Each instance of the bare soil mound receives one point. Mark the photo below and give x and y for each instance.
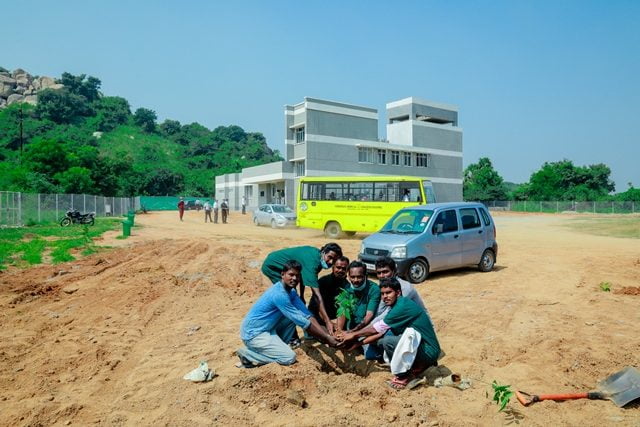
(107, 339)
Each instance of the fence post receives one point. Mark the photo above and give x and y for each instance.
(612, 210)
(594, 207)
(19, 208)
(557, 206)
(509, 205)
(95, 204)
(525, 206)
(84, 203)
(72, 202)
(39, 207)
(540, 209)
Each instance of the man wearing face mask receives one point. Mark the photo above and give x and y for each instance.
(367, 296)
(313, 260)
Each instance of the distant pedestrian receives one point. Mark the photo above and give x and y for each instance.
(224, 206)
(244, 205)
(207, 211)
(198, 204)
(215, 211)
(181, 207)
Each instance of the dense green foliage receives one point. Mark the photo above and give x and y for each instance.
(76, 140)
(482, 183)
(554, 181)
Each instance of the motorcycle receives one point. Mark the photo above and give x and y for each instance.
(74, 216)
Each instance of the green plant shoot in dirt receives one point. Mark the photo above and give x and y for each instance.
(501, 394)
(346, 304)
(605, 286)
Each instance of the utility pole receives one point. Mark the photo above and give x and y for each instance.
(21, 140)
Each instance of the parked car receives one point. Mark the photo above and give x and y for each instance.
(434, 237)
(274, 215)
(190, 205)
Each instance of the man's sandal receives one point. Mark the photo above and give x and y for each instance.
(397, 383)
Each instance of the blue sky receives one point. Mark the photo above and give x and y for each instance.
(534, 81)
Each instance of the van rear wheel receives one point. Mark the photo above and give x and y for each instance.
(418, 271)
(333, 230)
(487, 261)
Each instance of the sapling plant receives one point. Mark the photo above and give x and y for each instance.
(501, 395)
(605, 286)
(346, 304)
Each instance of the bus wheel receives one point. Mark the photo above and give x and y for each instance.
(350, 233)
(418, 271)
(333, 230)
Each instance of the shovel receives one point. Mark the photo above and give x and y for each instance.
(621, 388)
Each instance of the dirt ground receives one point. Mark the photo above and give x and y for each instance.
(106, 340)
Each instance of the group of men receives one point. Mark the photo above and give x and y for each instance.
(208, 208)
(380, 320)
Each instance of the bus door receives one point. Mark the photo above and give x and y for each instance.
(312, 196)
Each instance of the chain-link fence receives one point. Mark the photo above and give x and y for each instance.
(566, 206)
(18, 209)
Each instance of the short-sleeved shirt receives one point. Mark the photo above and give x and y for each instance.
(407, 314)
(408, 291)
(307, 256)
(368, 299)
(330, 287)
(277, 302)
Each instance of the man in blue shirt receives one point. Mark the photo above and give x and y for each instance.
(271, 322)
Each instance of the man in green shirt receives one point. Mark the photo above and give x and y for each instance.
(404, 314)
(367, 296)
(313, 260)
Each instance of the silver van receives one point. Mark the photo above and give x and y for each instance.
(434, 237)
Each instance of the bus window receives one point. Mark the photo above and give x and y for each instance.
(313, 191)
(361, 191)
(410, 192)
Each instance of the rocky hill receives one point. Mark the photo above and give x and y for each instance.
(20, 86)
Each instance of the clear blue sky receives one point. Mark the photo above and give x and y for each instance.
(535, 81)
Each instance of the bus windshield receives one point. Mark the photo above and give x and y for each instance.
(408, 221)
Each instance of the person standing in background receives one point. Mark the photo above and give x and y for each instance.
(224, 206)
(244, 205)
(181, 207)
(215, 211)
(207, 211)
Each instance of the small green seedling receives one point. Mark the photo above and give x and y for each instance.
(501, 394)
(346, 304)
(605, 286)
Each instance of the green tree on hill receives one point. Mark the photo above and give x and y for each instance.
(146, 119)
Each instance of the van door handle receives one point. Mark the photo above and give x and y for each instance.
(480, 232)
(455, 236)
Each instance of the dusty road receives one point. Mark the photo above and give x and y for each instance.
(107, 339)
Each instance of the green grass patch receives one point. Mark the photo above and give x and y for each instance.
(627, 227)
(24, 246)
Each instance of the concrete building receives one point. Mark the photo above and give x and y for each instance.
(327, 138)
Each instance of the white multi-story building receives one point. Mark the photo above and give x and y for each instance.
(327, 138)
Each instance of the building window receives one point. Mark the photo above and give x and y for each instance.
(299, 170)
(299, 135)
(423, 160)
(395, 158)
(407, 159)
(365, 155)
(382, 157)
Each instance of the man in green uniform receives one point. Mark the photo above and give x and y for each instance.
(313, 260)
(330, 286)
(367, 296)
(404, 314)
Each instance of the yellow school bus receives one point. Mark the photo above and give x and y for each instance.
(344, 205)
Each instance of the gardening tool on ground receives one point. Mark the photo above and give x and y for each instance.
(621, 388)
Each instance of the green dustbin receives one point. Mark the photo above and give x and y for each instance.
(126, 228)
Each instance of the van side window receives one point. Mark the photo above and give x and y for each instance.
(448, 220)
(485, 217)
(470, 218)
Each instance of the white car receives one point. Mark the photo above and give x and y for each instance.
(274, 215)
